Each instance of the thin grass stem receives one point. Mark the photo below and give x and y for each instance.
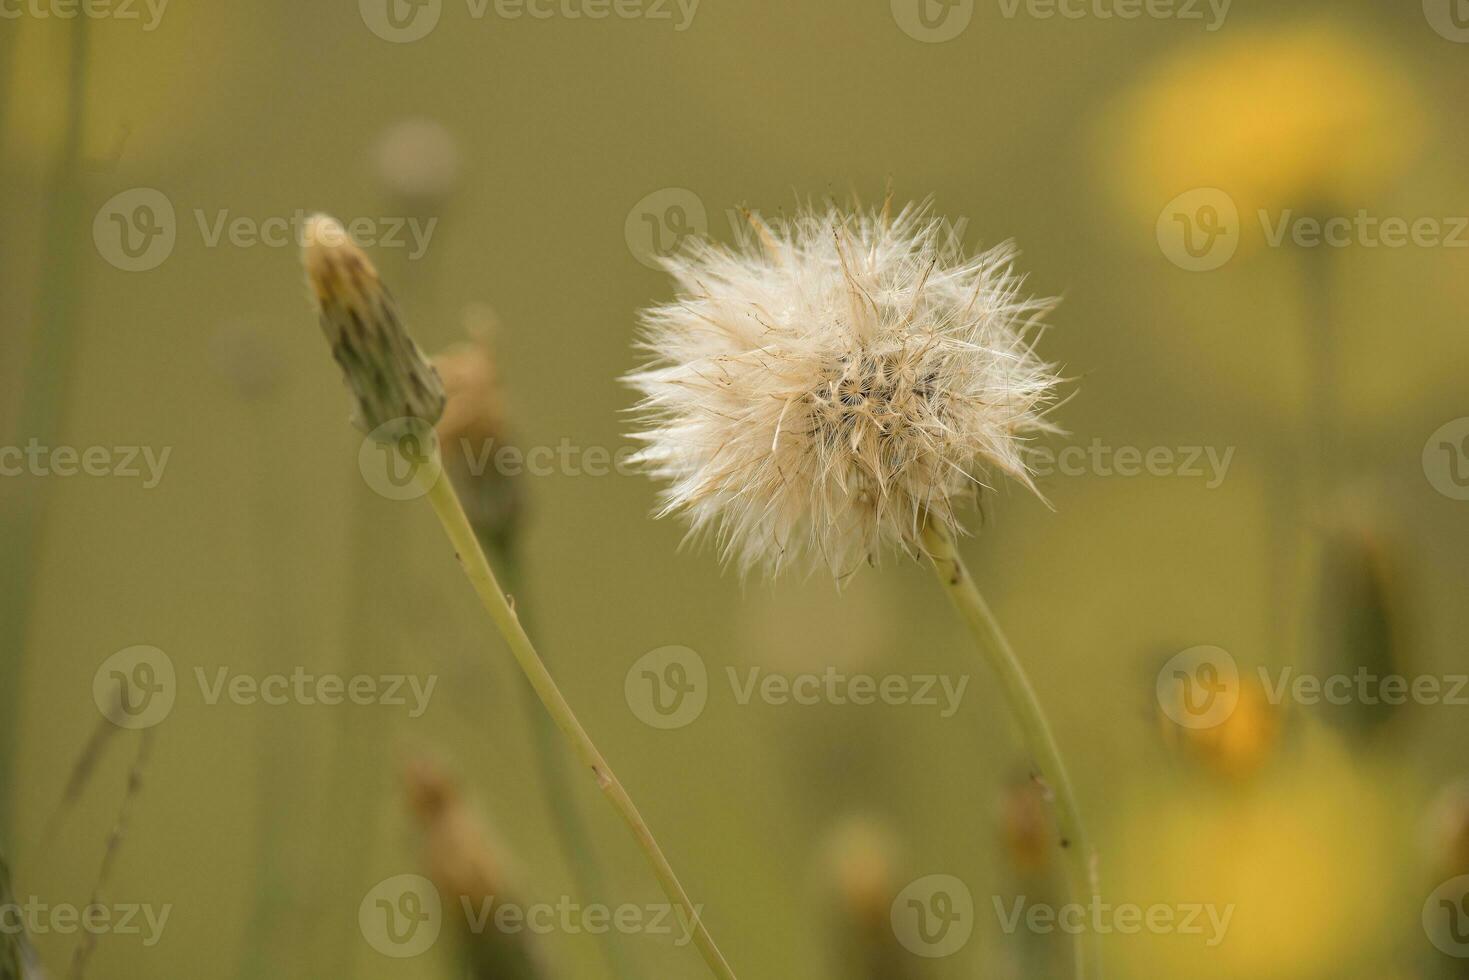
(1080, 859)
(476, 567)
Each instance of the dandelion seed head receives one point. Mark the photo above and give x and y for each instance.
(817, 393)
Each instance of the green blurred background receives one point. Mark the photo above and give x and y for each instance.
(262, 548)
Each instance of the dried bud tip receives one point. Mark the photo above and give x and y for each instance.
(395, 387)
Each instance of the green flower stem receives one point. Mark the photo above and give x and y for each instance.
(1080, 860)
(472, 559)
(555, 773)
(24, 513)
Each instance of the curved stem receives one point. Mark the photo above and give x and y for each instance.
(555, 781)
(1080, 860)
(472, 559)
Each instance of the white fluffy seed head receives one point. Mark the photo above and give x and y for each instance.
(819, 392)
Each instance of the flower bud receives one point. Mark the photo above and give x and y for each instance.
(396, 389)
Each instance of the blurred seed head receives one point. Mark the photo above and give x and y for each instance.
(475, 407)
(860, 858)
(467, 868)
(475, 426)
(417, 161)
(837, 380)
(388, 375)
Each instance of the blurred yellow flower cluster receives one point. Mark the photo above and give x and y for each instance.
(1302, 868)
(1307, 116)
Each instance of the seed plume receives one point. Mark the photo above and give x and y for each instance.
(824, 388)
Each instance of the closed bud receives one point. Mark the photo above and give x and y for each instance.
(396, 389)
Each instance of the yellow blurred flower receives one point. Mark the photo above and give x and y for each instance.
(1307, 116)
(1305, 870)
(1242, 743)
